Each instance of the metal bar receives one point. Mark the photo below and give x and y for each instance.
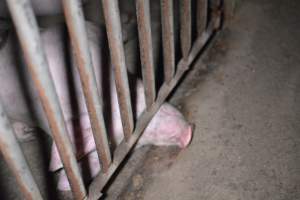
(78, 34)
(115, 41)
(185, 27)
(124, 148)
(216, 13)
(168, 40)
(27, 30)
(146, 49)
(15, 159)
(201, 21)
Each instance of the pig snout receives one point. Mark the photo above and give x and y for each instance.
(167, 128)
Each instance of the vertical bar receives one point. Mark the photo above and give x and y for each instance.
(201, 21)
(78, 34)
(27, 30)
(167, 15)
(15, 159)
(115, 41)
(215, 13)
(146, 49)
(185, 27)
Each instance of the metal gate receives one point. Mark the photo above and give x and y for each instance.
(208, 20)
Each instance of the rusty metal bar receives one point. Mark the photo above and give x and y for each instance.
(15, 159)
(201, 21)
(145, 41)
(167, 15)
(27, 30)
(76, 26)
(115, 41)
(185, 27)
(124, 148)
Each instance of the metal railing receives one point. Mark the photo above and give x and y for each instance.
(28, 33)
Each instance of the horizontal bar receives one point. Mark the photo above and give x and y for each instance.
(27, 30)
(123, 149)
(201, 21)
(115, 41)
(15, 159)
(185, 27)
(168, 41)
(146, 49)
(78, 34)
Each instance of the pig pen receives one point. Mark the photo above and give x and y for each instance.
(179, 29)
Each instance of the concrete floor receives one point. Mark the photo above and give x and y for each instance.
(246, 109)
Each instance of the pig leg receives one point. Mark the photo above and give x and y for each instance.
(81, 137)
(90, 161)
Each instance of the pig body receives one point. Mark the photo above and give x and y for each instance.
(19, 95)
(168, 127)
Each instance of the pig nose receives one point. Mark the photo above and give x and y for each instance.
(186, 137)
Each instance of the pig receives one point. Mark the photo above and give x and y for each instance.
(50, 12)
(18, 93)
(22, 104)
(168, 127)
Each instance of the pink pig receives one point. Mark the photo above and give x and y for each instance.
(168, 127)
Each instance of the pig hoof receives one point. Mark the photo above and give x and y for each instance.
(186, 140)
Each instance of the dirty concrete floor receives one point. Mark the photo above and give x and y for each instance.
(246, 109)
